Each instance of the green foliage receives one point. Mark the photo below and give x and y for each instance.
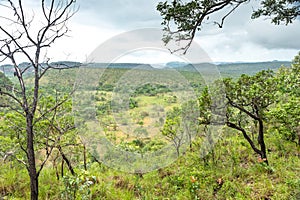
(281, 11)
(103, 108)
(286, 118)
(78, 186)
(5, 83)
(142, 145)
(171, 127)
(5, 86)
(151, 89)
(13, 181)
(248, 100)
(182, 19)
(194, 188)
(133, 103)
(205, 107)
(252, 91)
(188, 178)
(105, 87)
(285, 114)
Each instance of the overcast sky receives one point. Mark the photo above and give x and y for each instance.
(241, 39)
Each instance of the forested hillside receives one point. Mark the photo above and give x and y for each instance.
(254, 155)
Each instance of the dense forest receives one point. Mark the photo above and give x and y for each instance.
(252, 154)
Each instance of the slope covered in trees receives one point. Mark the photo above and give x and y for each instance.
(235, 167)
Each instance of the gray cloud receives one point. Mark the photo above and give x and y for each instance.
(239, 36)
(274, 37)
(240, 32)
(124, 14)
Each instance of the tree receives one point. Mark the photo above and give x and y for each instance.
(285, 115)
(190, 114)
(173, 129)
(248, 100)
(182, 19)
(27, 38)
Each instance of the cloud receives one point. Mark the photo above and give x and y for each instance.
(123, 14)
(245, 39)
(274, 37)
(241, 39)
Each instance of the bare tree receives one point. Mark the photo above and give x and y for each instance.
(27, 37)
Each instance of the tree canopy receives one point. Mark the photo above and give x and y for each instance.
(182, 19)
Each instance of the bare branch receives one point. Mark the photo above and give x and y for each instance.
(231, 11)
(58, 104)
(14, 40)
(59, 66)
(45, 160)
(187, 26)
(13, 97)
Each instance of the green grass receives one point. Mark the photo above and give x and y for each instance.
(232, 162)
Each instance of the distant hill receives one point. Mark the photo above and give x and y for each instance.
(9, 70)
(250, 68)
(237, 69)
(120, 65)
(226, 69)
(175, 64)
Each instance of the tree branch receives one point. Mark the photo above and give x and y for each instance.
(234, 126)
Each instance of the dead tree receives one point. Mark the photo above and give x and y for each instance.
(28, 36)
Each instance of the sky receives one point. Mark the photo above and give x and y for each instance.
(101, 22)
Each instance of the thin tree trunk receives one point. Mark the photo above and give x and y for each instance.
(261, 142)
(67, 161)
(84, 157)
(31, 159)
(62, 168)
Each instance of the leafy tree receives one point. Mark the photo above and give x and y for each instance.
(248, 100)
(285, 115)
(19, 41)
(205, 107)
(172, 129)
(190, 115)
(182, 19)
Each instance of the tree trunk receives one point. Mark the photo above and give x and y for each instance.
(261, 142)
(67, 161)
(298, 134)
(31, 159)
(84, 157)
(62, 167)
